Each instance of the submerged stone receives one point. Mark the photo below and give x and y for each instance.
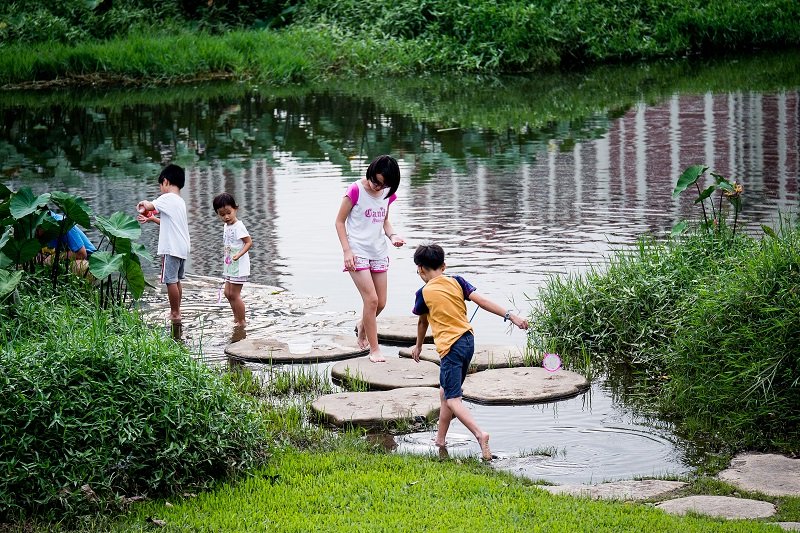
(400, 330)
(279, 352)
(771, 474)
(719, 506)
(394, 373)
(522, 385)
(486, 356)
(378, 407)
(643, 489)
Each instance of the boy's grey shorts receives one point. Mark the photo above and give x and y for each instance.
(171, 269)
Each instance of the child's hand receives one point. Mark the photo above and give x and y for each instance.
(415, 351)
(349, 260)
(397, 241)
(518, 321)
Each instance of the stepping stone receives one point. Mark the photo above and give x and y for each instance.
(522, 385)
(771, 474)
(644, 489)
(379, 407)
(400, 330)
(719, 506)
(395, 373)
(486, 356)
(787, 526)
(274, 351)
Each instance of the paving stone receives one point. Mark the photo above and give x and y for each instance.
(643, 489)
(378, 407)
(719, 506)
(772, 474)
(274, 351)
(788, 526)
(400, 330)
(393, 374)
(522, 385)
(486, 356)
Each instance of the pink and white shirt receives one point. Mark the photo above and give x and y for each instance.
(364, 224)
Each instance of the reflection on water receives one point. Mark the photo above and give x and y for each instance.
(550, 192)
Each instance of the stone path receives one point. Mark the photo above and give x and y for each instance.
(644, 489)
(512, 386)
(773, 475)
(393, 374)
(400, 330)
(367, 409)
(278, 352)
(486, 356)
(719, 506)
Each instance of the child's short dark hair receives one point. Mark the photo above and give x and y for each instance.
(386, 166)
(430, 256)
(174, 175)
(224, 199)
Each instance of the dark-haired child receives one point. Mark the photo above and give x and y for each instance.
(173, 233)
(363, 226)
(441, 303)
(236, 243)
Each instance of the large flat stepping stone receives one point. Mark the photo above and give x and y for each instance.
(274, 351)
(644, 489)
(522, 385)
(395, 373)
(379, 407)
(400, 330)
(719, 506)
(771, 474)
(486, 356)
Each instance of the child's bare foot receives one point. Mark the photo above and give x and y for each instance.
(486, 453)
(361, 337)
(377, 357)
(439, 444)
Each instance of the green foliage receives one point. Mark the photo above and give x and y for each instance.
(730, 191)
(96, 405)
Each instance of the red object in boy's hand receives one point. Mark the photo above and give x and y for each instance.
(145, 212)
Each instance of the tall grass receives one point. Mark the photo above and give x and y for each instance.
(97, 406)
(709, 323)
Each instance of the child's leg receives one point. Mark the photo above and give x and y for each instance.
(445, 417)
(461, 412)
(369, 326)
(174, 293)
(233, 292)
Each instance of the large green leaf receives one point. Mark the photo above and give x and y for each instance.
(140, 251)
(5, 261)
(103, 264)
(134, 277)
(5, 192)
(7, 235)
(688, 178)
(23, 202)
(22, 250)
(74, 207)
(9, 281)
(705, 194)
(119, 225)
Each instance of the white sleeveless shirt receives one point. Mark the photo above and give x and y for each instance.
(364, 224)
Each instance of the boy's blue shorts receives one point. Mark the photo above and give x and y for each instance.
(455, 365)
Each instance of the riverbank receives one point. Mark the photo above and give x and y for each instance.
(325, 40)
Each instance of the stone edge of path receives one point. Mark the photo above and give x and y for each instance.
(766, 473)
(509, 356)
(634, 490)
(405, 396)
(578, 386)
(400, 330)
(719, 506)
(278, 351)
(384, 376)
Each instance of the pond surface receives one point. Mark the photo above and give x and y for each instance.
(517, 179)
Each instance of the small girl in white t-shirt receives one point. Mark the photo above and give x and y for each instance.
(236, 265)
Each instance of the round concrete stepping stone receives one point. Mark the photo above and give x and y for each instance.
(644, 489)
(274, 351)
(787, 526)
(771, 474)
(719, 506)
(486, 356)
(522, 385)
(395, 373)
(400, 330)
(378, 407)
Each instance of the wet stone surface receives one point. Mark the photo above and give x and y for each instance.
(394, 373)
(644, 489)
(400, 330)
(719, 506)
(274, 351)
(486, 356)
(771, 474)
(376, 408)
(522, 385)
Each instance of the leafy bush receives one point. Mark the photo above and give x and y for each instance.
(97, 406)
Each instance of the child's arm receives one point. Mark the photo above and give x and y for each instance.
(146, 208)
(396, 240)
(341, 231)
(422, 329)
(497, 309)
(248, 242)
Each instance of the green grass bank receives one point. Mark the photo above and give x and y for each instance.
(150, 42)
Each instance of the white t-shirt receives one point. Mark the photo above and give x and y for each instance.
(173, 232)
(365, 222)
(232, 243)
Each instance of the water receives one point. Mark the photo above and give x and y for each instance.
(517, 181)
